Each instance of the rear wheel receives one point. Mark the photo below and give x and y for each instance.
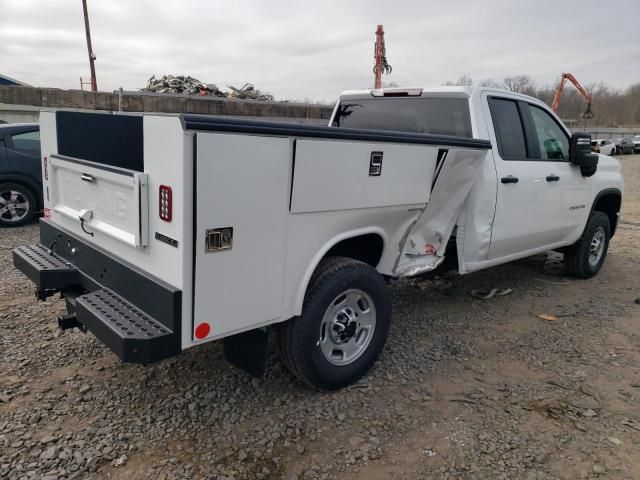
(17, 205)
(585, 258)
(343, 327)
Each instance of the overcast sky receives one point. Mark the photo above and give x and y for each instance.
(315, 49)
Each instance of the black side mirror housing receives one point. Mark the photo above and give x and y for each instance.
(580, 154)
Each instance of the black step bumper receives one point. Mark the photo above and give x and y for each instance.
(134, 314)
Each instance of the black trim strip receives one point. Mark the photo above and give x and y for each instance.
(194, 208)
(442, 156)
(293, 171)
(99, 166)
(222, 124)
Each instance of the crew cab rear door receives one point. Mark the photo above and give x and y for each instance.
(536, 183)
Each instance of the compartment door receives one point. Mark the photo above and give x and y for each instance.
(241, 202)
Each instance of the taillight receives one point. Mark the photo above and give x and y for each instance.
(164, 203)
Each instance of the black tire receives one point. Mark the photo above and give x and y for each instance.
(577, 258)
(15, 194)
(299, 338)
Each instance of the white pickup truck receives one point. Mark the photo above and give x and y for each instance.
(163, 232)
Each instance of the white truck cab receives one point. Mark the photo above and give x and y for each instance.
(528, 197)
(163, 232)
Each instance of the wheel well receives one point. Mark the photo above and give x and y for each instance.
(366, 248)
(609, 204)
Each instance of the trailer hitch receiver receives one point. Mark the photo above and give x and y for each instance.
(69, 320)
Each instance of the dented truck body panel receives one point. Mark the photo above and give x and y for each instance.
(224, 221)
(254, 208)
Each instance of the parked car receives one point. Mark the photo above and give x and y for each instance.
(624, 145)
(20, 173)
(605, 147)
(636, 144)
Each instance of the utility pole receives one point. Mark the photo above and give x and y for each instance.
(380, 56)
(92, 56)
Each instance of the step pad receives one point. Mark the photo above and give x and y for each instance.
(125, 318)
(48, 270)
(132, 334)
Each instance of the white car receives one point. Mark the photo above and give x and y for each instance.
(605, 147)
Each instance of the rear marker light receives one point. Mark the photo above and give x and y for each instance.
(165, 203)
(202, 331)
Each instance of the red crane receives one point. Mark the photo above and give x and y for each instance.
(556, 98)
(380, 56)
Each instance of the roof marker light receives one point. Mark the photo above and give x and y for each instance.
(397, 92)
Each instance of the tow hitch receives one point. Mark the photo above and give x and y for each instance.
(42, 294)
(69, 320)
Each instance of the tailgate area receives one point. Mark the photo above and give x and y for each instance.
(133, 313)
(113, 200)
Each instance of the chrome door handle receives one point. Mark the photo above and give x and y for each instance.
(88, 178)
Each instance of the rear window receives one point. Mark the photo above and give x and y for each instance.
(508, 127)
(444, 116)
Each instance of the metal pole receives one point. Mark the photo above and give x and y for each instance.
(377, 69)
(92, 56)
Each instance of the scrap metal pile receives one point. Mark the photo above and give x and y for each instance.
(192, 86)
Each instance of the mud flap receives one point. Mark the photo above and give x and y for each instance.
(426, 240)
(248, 351)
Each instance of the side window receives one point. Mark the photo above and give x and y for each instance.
(553, 141)
(26, 141)
(508, 126)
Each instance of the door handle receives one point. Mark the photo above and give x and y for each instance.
(88, 178)
(553, 178)
(510, 179)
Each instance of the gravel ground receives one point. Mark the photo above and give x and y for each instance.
(466, 388)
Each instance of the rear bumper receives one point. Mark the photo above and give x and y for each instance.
(134, 314)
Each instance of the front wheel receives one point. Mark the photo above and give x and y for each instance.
(585, 258)
(343, 327)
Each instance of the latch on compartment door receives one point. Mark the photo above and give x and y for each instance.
(218, 239)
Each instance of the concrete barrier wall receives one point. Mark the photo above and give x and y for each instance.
(23, 103)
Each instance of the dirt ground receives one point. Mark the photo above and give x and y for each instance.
(466, 388)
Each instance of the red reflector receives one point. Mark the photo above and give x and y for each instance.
(165, 203)
(202, 331)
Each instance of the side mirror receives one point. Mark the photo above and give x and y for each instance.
(580, 154)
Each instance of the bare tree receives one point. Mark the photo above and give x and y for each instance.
(611, 107)
(490, 82)
(464, 81)
(519, 84)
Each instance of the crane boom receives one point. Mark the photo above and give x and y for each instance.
(380, 56)
(556, 98)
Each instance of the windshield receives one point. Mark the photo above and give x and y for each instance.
(444, 116)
